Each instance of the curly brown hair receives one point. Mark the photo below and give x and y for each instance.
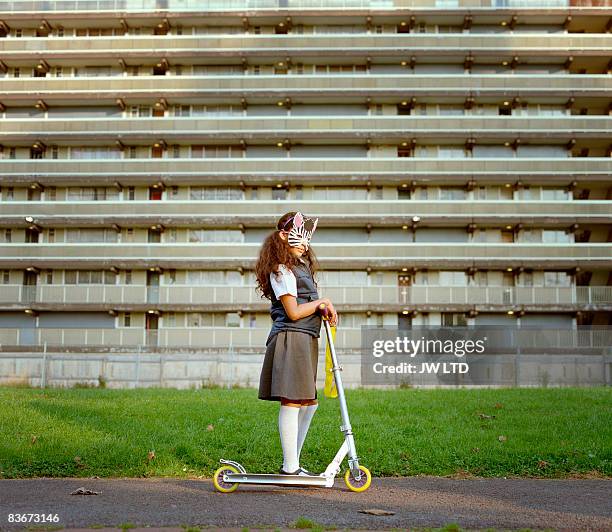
(275, 251)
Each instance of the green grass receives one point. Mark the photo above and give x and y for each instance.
(110, 433)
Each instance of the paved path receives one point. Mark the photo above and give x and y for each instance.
(415, 501)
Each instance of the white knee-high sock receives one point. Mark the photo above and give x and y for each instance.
(305, 417)
(288, 429)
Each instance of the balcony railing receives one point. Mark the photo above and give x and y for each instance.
(228, 296)
(105, 90)
(222, 339)
(267, 128)
(188, 48)
(432, 255)
(264, 213)
(228, 5)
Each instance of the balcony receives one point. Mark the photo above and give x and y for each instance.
(191, 49)
(188, 6)
(438, 255)
(346, 213)
(318, 128)
(223, 340)
(106, 90)
(316, 171)
(224, 298)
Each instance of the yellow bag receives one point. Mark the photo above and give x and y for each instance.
(330, 384)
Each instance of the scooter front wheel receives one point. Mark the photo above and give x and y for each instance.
(220, 484)
(358, 485)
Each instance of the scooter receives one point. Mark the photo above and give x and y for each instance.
(357, 478)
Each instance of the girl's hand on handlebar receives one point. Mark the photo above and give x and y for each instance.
(333, 319)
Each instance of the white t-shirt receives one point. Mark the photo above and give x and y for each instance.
(283, 282)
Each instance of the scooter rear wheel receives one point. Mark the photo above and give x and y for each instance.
(358, 485)
(218, 482)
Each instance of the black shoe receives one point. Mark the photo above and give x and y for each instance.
(299, 471)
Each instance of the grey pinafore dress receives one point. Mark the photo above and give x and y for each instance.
(292, 349)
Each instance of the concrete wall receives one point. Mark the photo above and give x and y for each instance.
(188, 370)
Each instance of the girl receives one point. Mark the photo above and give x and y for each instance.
(285, 275)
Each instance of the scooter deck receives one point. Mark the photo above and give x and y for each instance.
(259, 478)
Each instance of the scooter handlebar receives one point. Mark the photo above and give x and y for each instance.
(324, 311)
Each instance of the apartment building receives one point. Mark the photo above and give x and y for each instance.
(457, 153)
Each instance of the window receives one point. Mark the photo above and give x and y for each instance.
(214, 277)
(555, 194)
(8, 236)
(338, 29)
(452, 319)
(493, 193)
(340, 193)
(92, 194)
(342, 278)
(555, 237)
(181, 110)
(452, 193)
(557, 279)
(169, 319)
(49, 276)
(376, 278)
(199, 319)
(92, 71)
(232, 319)
(525, 279)
(90, 235)
(451, 152)
(215, 193)
(279, 193)
(215, 235)
(89, 277)
(340, 69)
(95, 152)
(216, 110)
(452, 278)
(5, 277)
(127, 319)
(141, 111)
(51, 236)
(529, 193)
(128, 276)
